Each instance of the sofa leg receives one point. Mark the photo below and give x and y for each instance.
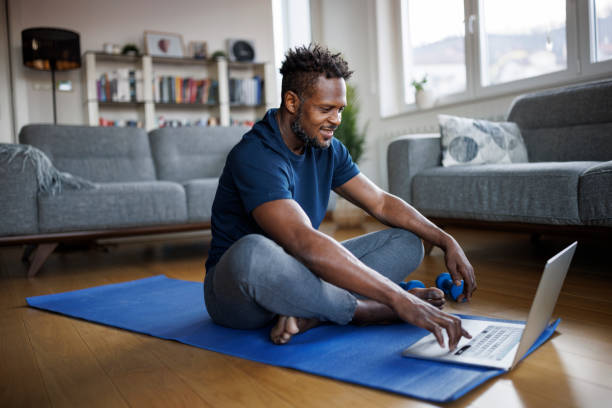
(41, 254)
(27, 253)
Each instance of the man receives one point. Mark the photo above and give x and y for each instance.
(267, 259)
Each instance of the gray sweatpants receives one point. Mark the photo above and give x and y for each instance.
(255, 279)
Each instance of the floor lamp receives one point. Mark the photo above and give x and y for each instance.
(51, 49)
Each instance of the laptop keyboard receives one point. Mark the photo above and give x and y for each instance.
(494, 342)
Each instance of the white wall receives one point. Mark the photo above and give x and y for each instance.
(121, 22)
(345, 26)
(6, 119)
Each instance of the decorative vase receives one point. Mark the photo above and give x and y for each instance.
(347, 215)
(425, 98)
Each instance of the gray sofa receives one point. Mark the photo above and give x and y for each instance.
(566, 187)
(94, 182)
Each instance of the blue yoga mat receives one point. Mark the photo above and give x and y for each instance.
(370, 356)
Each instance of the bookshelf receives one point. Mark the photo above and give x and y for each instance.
(228, 92)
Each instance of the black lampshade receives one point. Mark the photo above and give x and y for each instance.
(49, 49)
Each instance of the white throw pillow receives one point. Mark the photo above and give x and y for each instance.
(475, 141)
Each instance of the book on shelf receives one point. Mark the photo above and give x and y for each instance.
(172, 87)
(119, 122)
(138, 86)
(122, 93)
(132, 84)
(100, 87)
(237, 122)
(247, 91)
(180, 90)
(213, 92)
(204, 120)
(120, 85)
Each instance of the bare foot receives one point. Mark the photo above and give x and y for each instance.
(433, 296)
(369, 311)
(372, 312)
(288, 326)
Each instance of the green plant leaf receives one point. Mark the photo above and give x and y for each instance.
(348, 132)
(419, 85)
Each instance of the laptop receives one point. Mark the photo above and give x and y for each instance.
(502, 344)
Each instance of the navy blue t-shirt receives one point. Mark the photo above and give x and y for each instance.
(261, 168)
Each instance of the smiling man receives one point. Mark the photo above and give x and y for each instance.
(267, 259)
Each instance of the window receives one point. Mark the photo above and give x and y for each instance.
(434, 45)
(601, 35)
(521, 39)
(474, 49)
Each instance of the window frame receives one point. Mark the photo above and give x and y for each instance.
(447, 99)
(587, 32)
(579, 28)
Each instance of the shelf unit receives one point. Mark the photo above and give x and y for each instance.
(147, 110)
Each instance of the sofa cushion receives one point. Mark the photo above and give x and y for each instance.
(581, 104)
(476, 141)
(113, 205)
(200, 196)
(95, 153)
(573, 123)
(571, 143)
(183, 154)
(520, 192)
(595, 195)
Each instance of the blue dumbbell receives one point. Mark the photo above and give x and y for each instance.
(412, 284)
(444, 281)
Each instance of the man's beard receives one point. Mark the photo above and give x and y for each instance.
(302, 135)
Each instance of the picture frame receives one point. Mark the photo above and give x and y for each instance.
(198, 49)
(160, 44)
(240, 50)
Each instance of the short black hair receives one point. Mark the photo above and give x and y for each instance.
(303, 65)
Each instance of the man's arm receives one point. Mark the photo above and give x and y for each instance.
(285, 222)
(395, 212)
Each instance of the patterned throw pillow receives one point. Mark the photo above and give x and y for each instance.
(475, 141)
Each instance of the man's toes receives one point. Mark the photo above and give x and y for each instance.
(288, 326)
(291, 326)
(285, 328)
(434, 293)
(427, 293)
(435, 297)
(439, 303)
(276, 339)
(277, 331)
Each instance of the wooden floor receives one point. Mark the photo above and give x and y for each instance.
(50, 360)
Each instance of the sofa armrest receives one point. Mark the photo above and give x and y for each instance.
(595, 195)
(408, 155)
(19, 187)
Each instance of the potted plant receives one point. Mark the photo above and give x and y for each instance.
(423, 95)
(217, 55)
(346, 214)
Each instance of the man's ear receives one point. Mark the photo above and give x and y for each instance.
(292, 102)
